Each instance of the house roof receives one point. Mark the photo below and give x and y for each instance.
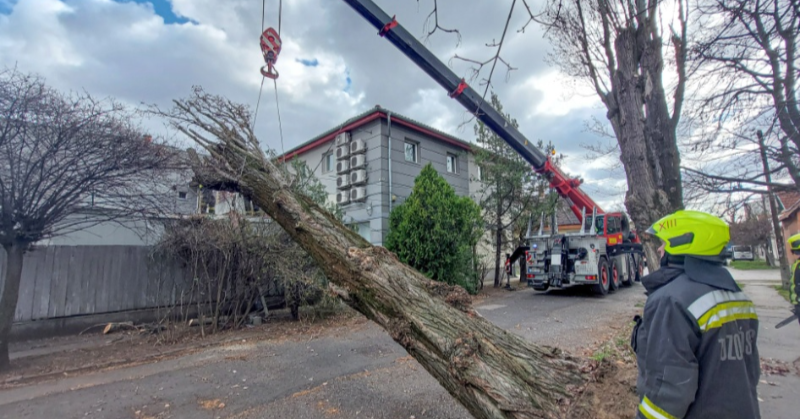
(370, 115)
(791, 203)
(565, 214)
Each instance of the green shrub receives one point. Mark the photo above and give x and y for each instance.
(435, 231)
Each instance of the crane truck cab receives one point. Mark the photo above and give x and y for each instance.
(615, 227)
(605, 255)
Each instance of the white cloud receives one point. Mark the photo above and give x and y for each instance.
(560, 95)
(431, 103)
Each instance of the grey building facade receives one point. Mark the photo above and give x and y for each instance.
(170, 191)
(368, 165)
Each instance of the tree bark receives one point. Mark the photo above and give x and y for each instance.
(660, 132)
(645, 200)
(8, 298)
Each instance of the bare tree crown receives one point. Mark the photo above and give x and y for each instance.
(62, 154)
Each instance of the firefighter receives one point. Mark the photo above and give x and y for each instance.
(696, 341)
(509, 268)
(794, 283)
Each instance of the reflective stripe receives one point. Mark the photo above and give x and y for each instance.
(792, 285)
(651, 411)
(727, 312)
(709, 300)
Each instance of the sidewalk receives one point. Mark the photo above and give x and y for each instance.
(778, 348)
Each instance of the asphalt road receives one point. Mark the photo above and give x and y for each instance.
(359, 373)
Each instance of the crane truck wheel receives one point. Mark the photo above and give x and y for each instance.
(627, 281)
(602, 285)
(639, 269)
(613, 283)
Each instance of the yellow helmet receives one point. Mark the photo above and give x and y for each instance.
(794, 242)
(688, 232)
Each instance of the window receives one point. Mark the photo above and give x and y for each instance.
(250, 207)
(208, 201)
(181, 195)
(451, 163)
(328, 163)
(600, 224)
(363, 229)
(480, 173)
(412, 153)
(613, 225)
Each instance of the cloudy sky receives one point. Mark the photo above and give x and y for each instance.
(332, 67)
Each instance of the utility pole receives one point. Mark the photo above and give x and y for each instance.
(770, 251)
(773, 209)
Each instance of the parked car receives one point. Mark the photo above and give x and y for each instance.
(741, 252)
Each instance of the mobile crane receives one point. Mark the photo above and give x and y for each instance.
(604, 254)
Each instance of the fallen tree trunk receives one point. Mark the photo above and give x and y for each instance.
(493, 373)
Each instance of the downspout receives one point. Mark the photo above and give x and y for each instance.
(389, 118)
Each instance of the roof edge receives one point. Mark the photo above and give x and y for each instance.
(376, 112)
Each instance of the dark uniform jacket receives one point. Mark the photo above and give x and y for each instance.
(696, 345)
(794, 284)
(794, 287)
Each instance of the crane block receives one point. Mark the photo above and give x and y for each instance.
(270, 48)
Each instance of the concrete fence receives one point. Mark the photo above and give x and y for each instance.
(66, 281)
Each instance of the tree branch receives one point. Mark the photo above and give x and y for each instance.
(436, 26)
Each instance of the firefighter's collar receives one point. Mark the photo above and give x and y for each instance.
(661, 277)
(709, 272)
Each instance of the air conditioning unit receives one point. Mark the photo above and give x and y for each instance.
(343, 181)
(342, 139)
(343, 197)
(358, 161)
(357, 146)
(358, 194)
(358, 177)
(342, 166)
(342, 152)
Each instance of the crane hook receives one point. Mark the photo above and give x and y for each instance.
(270, 48)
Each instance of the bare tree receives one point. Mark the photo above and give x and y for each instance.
(733, 161)
(745, 63)
(740, 164)
(744, 108)
(752, 229)
(66, 162)
(617, 47)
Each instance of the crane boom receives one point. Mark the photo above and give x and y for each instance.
(473, 102)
